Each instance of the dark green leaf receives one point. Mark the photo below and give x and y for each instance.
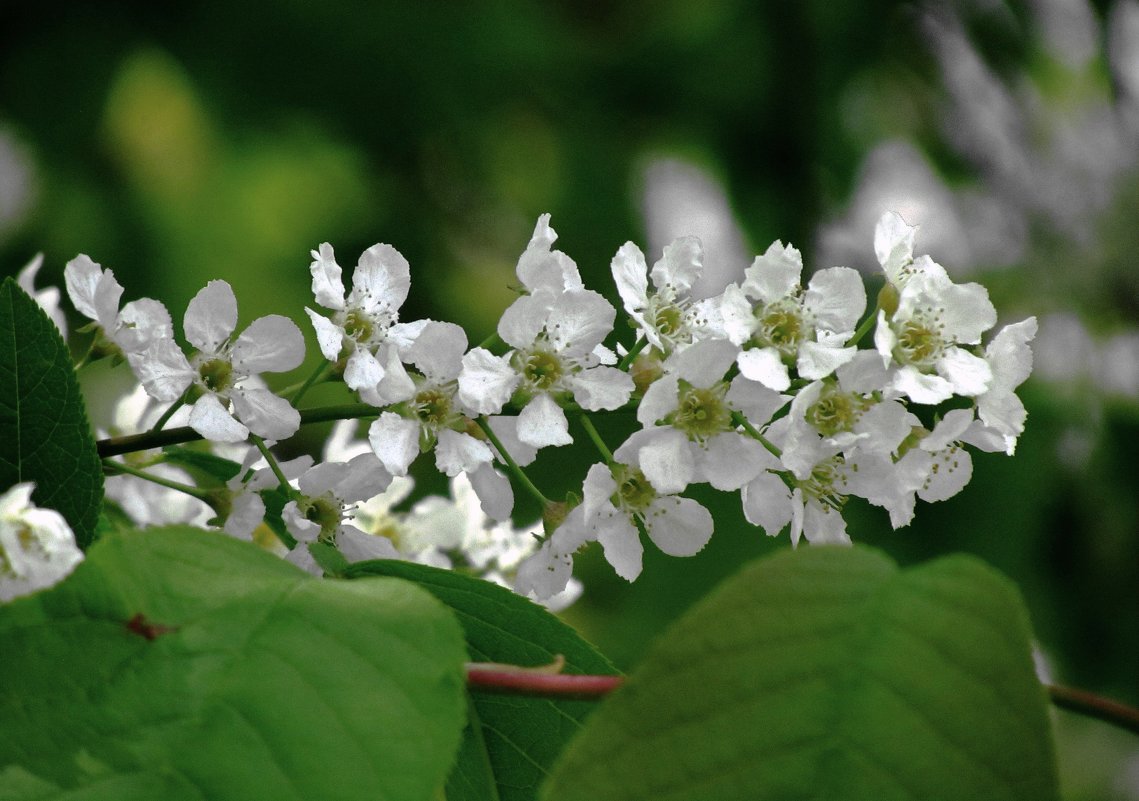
(829, 673)
(43, 423)
(178, 663)
(521, 736)
(202, 463)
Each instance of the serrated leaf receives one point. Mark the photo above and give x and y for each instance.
(43, 423)
(521, 737)
(829, 673)
(178, 663)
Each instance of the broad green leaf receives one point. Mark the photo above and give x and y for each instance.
(521, 737)
(43, 424)
(202, 463)
(828, 673)
(182, 664)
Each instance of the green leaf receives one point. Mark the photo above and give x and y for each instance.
(182, 664)
(43, 423)
(521, 737)
(202, 463)
(829, 673)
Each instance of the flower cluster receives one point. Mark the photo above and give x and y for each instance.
(37, 547)
(762, 389)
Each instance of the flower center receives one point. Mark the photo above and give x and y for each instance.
(701, 412)
(433, 407)
(542, 369)
(821, 484)
(781, 327)
(835, 411)
(326, 512)
(920, 343)
(216, 375)
(634, 492)
(358, 325)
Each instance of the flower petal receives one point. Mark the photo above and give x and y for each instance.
(381, 280)
(456, 453)
(395, 440)
(271, 344)
(327, 286)
(543, 423)
(210, 419)
(679, 526)
(486, 381)
(764, 366)
(266, 414)
(211, 316)
(601, 388)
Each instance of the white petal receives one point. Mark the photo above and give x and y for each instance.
(949, 473)
(543, 423)
(81, 276)
(680, 265)
(948, 430)
(667, 461)
(823, 525)
(621, 542)
(524, 319)
(578, 321)
(775, 274)
(836, 298)
(457, 453)
(210, 419)
(893, 244)
(162, 369)
(765, 366)
(396, 386)
(659, 400)
(506, 429)
(737, 314)
(358, 546)
(601, 388)
(970, 375)
(496, 496)
(728, 461)
(630, 273)
(211, 316)
(329, 336)
(679, 526)
(395, 440)
(140, 323)
(404, 335)
(381, 280)
(327, 286)
(755, 401)
(365, 478)
(767, 503)
(271, 344)
(885, 339)
(540, 268)
(544, 574)
(1009, 353)
(486, 381)
(967, 312)
(266, 414)
(705, 362)
(921, 388)
(363, 369)
(438, 350)
(817, 360)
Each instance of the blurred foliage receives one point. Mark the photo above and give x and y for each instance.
(180, 143)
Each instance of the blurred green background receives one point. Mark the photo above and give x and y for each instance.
(176, 144)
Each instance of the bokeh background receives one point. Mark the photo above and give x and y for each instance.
(176, 143)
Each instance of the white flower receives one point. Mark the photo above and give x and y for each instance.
(555, 339)
(845, 410)
(96, 294)
(366, 322)
(783, 325)
(924, 336)
(330, 492)
(540, 268)
(667, 317)
(690, 434)
(47, 298)
(1010, 358)
(894, 246)
(938, 467)
(37, 547)
(225, 370)
(549, 572)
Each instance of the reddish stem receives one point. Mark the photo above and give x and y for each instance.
(542, 685)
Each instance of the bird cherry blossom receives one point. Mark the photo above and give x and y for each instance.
(780, 325)
(37, 547)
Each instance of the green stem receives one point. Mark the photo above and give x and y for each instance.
(166, 415)
(297, 391)
(628, 358)
(113, 468)
(512, 465)
(115, 446)
(272, 461)
(753, 432)
(864, 328)
(587, 424)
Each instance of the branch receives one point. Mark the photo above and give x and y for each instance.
(541, 682)
(1095, 706)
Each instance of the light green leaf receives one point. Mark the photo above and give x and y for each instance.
(828, 673)
(188, 661)
(43, 424)
(520, 737)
